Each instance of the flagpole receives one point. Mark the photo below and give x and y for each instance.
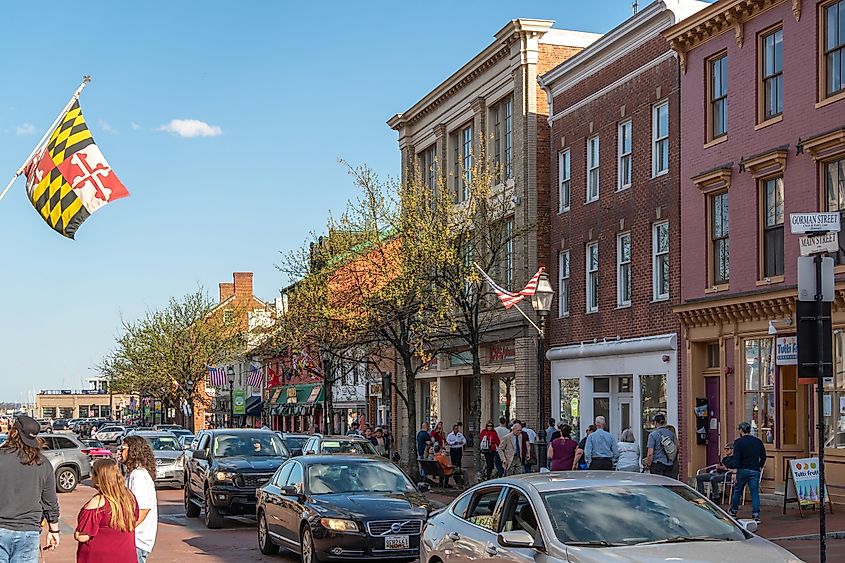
(85, 80)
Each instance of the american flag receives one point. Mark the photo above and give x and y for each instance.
(255, 376)
(510, 298)
(217, 377)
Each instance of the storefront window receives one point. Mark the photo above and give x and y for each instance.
(834, 396)
(653, 401)
(507, 398)
(759, 390)
(570, 397)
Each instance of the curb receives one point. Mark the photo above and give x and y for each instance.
(810, 537)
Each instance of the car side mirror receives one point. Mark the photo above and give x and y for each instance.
(296, 452)
(423, 487)
(200, 454)
(516, 538)
(289, 490)
(749, 525)
(310, 452)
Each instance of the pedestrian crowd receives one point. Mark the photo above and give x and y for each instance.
(117, 525)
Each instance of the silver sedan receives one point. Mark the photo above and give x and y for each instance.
(590, 516)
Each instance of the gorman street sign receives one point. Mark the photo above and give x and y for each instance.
(828, 242)
(802, 223)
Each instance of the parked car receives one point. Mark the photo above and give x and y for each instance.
(295, 443)
(226, 467)
(95, 449)
(180, 432)
(61, 424)
(68, 458)
(341, 507)
(185, 441)
(170, 469)
(590, 517)
(163, 427)
(46, 425)
(319, 444)
(109, 434)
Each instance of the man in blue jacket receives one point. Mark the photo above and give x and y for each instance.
(749, 459)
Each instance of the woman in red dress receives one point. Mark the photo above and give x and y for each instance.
(106, 528)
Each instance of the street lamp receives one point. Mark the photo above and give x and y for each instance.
(190, 387)
(230, 373)
(542, 303)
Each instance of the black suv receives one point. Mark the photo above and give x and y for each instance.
(225, 469)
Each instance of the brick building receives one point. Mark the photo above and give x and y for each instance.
(763, 136)
(614, 238)
(494, 96)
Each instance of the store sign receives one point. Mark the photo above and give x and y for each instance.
(239, 399)
(501, 353)
(375, 389)
(786, 353)
(803, 482)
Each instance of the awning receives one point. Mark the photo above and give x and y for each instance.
(296, 399)
(254, 406)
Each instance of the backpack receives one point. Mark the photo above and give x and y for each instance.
(669, 447)
(485, 444)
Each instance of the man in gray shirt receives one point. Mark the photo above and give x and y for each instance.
(658, 459)
(28, 493)
(601, 451)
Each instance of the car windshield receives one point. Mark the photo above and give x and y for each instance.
(295, 442)
(163, 443)
(366, 477)
(347, 447)
(257, 444)
(610, 516)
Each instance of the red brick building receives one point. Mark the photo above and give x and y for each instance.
(763, 136)
(614, 114)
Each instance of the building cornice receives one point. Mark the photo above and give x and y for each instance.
(825, 145)
(767, 163)
(715, 179)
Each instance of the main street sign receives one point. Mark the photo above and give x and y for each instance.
(828, 242)
(802, 223)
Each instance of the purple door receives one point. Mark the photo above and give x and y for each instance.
(711, 385)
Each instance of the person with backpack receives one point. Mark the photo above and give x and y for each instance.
(489, 444)
(662, 448)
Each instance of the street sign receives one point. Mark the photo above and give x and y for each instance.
(802, 223)
(807, 278)
(828, 242)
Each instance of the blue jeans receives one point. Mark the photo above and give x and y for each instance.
(752, 479)
(142, 555)
(19, 547)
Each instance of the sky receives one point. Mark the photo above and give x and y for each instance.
(225, 121)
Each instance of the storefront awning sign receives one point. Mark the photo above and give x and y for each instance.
(315, 392)
(786, 353)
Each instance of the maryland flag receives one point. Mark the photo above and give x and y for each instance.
(68, 178)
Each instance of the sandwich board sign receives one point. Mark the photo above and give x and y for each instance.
(802, 484)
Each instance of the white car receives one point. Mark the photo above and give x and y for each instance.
(590, 517)
(109, 434)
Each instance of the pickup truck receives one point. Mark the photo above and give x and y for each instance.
(224, 470)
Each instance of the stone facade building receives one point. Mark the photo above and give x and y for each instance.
(495, 97)
(763, 136)
(614, 239)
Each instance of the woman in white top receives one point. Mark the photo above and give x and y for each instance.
(137, 457)
(629, 452)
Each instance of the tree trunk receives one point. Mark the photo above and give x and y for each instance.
(411, 410)
(475, 412)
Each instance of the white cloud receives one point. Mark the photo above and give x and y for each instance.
(25, 129)
(106, 126)
(191, 128)
(135, 126)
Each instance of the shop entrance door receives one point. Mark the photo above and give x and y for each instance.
(613, 398)
(714, 449)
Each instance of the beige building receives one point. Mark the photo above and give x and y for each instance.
(78, 403)
(496, 97)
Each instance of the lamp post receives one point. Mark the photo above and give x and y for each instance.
(542, 303)
(230, 373)
(190, 387)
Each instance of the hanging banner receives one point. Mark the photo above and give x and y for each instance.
(239, 400)
(787, 351)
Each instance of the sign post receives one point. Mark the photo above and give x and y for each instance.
(822, 225)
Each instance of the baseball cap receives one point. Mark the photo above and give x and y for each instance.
(28, 428)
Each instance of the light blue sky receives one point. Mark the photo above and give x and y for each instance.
(292, 86)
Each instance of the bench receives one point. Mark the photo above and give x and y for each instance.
(432, 469)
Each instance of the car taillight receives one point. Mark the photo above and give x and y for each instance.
(86, 452)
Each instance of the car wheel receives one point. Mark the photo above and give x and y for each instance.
(66, 479)
(213, 518)
(192, 510)
(265, 544)
(307, 543)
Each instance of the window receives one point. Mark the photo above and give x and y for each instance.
(570, 400)
(653, 401)
(592, 277)
(505, 252)
(296, 479)
(759, 388)
(563, 287)
(519, 515)
(564, 193)
(428, 166)
(484, 509)
(719, 240)
(834, 48)
(834, 188)
(592, 169)
(772, 244)
(713, 355)
(228, 316)
(462, 162)
(660, 139)
(717, 86)
(503, 140)
(771, 73)
(660, 260)
(623, 270)
(834, 396)
(624, 166)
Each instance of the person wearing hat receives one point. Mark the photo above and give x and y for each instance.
(28, 493)
(749, 459)
(717, 475)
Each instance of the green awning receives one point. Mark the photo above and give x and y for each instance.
(302, 395)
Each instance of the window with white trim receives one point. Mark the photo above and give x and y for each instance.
(660, 139)
(660, 260)
(462, 162)
(623, 270)
(564, 192)
(624, 165)
(592, 169)
(592, 266)
(428, 166)
(502, 114)
(563, 286)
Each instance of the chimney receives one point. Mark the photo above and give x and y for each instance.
(243, 285)
(227, 289)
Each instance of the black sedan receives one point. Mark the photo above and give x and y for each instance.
(341, 507)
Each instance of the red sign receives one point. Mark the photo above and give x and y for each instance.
(500, 353)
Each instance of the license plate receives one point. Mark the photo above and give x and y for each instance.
(396, 542)
(160, 474)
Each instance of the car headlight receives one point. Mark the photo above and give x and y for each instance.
(225, 475)
(339, 524)
(180, 462)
